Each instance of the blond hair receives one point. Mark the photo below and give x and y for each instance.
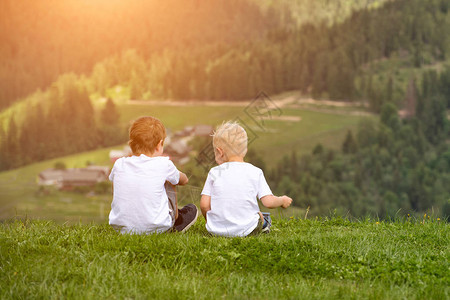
(145, 134)
(232, 138)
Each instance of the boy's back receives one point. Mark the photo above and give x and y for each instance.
(234, 188)
(140, 203)
(140, 199)
(228, 200)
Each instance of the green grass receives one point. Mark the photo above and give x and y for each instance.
(281, 138)
(300, 259)
(19, 192)
(176, 117)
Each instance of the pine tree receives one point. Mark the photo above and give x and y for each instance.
(41, 138)
(109, 114)
(111, 132)
(349, 145)
(294, 166)
(12, 153)
(137, 86)
(435, 120)
(390, 89)
(53, 130)
(387, 114)
(2, 149)
(411, 103)
(444, 85)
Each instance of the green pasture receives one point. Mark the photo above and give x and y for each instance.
(329, 258)
(271, 138)
(20, 195)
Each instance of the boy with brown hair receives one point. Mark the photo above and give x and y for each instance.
(228, 200)
(144, 198)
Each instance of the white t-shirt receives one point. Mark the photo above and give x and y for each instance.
(234, 187)
(140, 203)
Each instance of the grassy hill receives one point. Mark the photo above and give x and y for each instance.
(272, 138)
(19, 192)
(329, 258)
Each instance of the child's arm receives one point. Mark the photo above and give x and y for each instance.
(183, 179)
(205, 205)
(271, 201)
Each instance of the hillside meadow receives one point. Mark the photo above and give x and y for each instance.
(325, 258)
(20, 195)
(271, 137)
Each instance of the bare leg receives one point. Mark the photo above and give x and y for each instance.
(171, 192)
(261, 216)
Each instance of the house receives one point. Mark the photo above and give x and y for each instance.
(50, 177)
(103, 169)
(192, 131)
(178, 151)
(177, 147)
(202, 130)
(70, 178)
(116, 154)
(187, 131)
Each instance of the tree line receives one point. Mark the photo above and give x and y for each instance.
(334, 62)
(41, 40)
(225, 51)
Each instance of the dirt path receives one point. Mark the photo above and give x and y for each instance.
(284, 118)
(188, 103)
(330, 103)
(286, 102)
(279, 102)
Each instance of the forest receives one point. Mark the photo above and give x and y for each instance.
(390, 169)
(336, 62)
(70, 122)
(248, 50)
(231, 50)
(44, 39)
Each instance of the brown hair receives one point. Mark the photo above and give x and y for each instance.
(145, 134)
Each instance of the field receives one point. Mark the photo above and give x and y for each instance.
(330, 258)
(20, 196)
(19, 193)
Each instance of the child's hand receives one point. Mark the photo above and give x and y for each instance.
(286, 201)
(271, 201)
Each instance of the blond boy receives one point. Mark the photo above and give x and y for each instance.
(144, 200)
(229, 197)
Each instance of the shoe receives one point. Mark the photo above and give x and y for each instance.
(186, 218)
(267, 223)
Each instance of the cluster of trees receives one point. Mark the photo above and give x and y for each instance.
(66, 125)
(214, 50)
(41, 40)
(436, 84)
(315, 58)
(397, 166)
(329, 12)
